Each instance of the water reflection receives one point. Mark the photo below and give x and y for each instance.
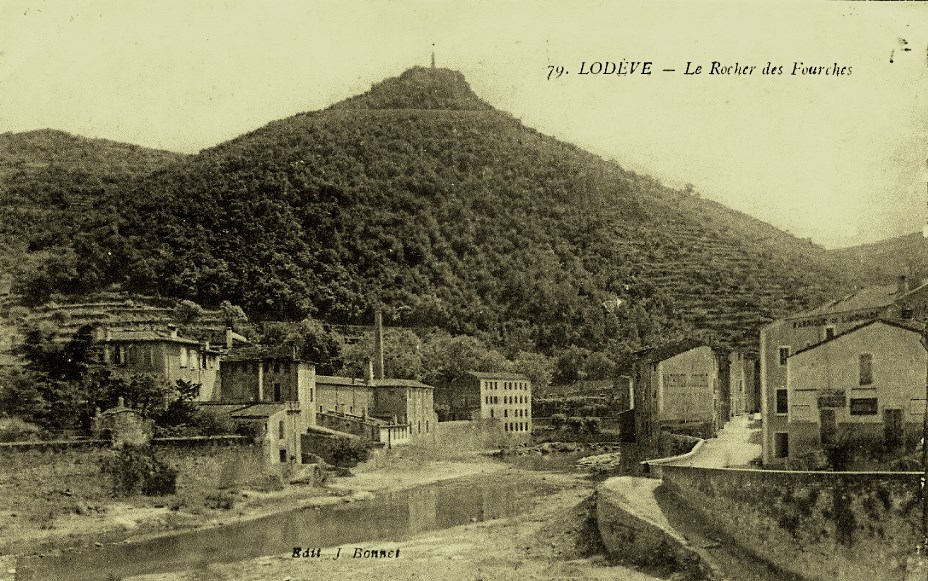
(391, 517)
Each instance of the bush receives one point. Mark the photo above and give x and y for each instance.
(591, 425)
(134, 469)
(347, 452)
(558, 421)
(575, 423)
(221, 500)
(213, 423)
(17, 430)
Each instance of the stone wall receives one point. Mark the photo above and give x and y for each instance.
(821, 525)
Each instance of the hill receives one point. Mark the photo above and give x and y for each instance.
(883, 260)
(50, 179)
(420, 196)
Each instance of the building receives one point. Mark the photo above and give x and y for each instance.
(675, 385)
(275, 394)
(783, 337)
(163, 354)
(388, 410)
(868, 381)
(501, 396)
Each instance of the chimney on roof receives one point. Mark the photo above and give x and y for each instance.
(378, 343)
(902, 285)
(173, 330)
(228, 338)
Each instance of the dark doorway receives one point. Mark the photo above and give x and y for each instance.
(892, 427)
(829, 428)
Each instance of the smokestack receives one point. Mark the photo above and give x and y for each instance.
(378, 344)
(228, 338)
(902, 285)
(369, 370)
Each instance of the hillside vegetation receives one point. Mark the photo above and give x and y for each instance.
(49, 182)
(886, 259)
(419, 196)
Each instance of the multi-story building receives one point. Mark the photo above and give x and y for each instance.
(783, 337)
(275, 393)
(868, 381)
(675, 385)
(395, 411)
(500, 396)
(165, 355)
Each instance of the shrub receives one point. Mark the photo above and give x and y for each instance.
(213, 423)
(347, 452)
(591, 425)
(558, 421)
(575, 423)
(17, 430)
(220, 500)
(134, 469)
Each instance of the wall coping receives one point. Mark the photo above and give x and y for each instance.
(686, 456)
(818, 473)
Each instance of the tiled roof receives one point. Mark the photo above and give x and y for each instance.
(913, 326)
(873, 297)
(389, 382)
(259, 410)
(338, 380)
(655, 354)
(497, 375)
(147, 336)
(360, 382)
(261, 353)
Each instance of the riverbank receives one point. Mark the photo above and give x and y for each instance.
(553, 539)
(107, 520)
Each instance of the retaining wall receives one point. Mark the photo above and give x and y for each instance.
(820, 525)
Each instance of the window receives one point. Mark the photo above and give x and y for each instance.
(780, 445)
(283, 455)
(864, 406)
(829, 332)
(276, 367)
(782, 401)
(784, 354)
(183, 357)
(866, 369)
(281, 433)
(505, 413)
(276, 391)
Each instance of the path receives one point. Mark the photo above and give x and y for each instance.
(737, 443)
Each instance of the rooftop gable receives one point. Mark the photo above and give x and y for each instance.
(910, 326)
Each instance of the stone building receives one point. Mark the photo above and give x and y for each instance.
(273, 393)
(675, 385)
(163, 354)
(393, 411)
(783, 337)
(501, 396)
(868, 382)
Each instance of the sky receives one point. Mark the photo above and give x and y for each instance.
(838, 159)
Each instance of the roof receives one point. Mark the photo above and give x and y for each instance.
(148, 337)
(262, 353)
(872, 297)
(655, 354)
(360, 382)
(390, 382)
(497, 375)
(912, 326)
(259, 410)
(226, 408)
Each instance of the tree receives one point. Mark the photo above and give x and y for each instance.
(402, 355)
(447, 358)
(537, 367)
(311, 340)
(232, 315)
(187, 312)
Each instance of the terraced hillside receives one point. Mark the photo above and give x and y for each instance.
(421, 197)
